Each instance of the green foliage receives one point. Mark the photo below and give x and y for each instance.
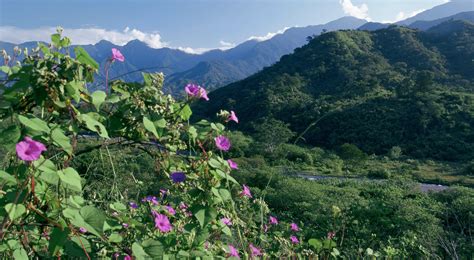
(351, 152)
(105, 186)
(391, 87)
(390, 218)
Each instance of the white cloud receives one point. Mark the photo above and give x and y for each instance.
(225, 44)
(93, 35)
(268, 36)
(402, 16)
(81, 36)
(361, 11)
(194, 50)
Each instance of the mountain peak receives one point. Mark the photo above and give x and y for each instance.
(137, 44)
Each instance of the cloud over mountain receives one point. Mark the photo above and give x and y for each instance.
(81, 36)
(361, 11)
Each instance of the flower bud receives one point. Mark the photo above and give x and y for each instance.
(59, 30)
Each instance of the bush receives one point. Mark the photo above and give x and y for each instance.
(395, 152)
(351, 152)
(294, 153)
(379, 174)
(469, 169)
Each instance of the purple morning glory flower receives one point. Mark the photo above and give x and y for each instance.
(178, 177)
(222, 143)
(133, 205)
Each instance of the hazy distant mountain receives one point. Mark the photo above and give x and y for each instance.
(425, 25)
(420, 25)
(448, 9)
(251, 56)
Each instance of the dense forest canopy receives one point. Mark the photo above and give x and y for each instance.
(391, 87)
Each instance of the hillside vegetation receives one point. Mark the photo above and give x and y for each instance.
(376, 90)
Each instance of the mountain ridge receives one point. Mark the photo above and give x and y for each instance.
(409, 86)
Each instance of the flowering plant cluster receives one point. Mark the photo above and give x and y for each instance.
(47, 109)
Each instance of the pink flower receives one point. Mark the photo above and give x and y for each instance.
(117, 55)
(203, 94)
(254, 251)
(246, 192)
(162, 222)
(183, 206)
(233, 117)
(125, 225)
(222, 143)
(294, 227)
(82, 230)
(170, 210)
(331, 235)
(265, 228)
(232, 164)
(127, 257)
(29, 149)
(273, 220)
(226, 221)
(233, 252)
(294, 240)
(196, 91)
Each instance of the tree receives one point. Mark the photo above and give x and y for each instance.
(271, 133)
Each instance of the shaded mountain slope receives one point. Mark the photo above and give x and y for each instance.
(391, 87)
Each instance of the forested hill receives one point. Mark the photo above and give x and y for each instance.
(391, 87)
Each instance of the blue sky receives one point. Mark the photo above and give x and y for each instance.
(196, 24)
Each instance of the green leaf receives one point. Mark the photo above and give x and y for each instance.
(315, 243)
(65, 42)
(160, 123)
(6, 178)
(153, 248)
(58, 239)
(56, 40)
(94, 217)
(115, 238)
(204, 214)
(5, 69)
(71, 179)
(73, 89)
(83, 57)
(10, 136)
(214, 163)
(94, 125)
(15, 210)
(98, 97)
(20, 254)
(48, 171)
(138, 252)
(185, 112)
(226, 230)
(34, 124)
(118, 206)
(225, 194)
(150, 126)
(75, 247)
(60, 139)
(222, 175)
(201, 236)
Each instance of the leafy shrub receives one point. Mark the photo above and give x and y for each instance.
(379, 174)
(395, 152)
(61, 193)
(351, 152)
